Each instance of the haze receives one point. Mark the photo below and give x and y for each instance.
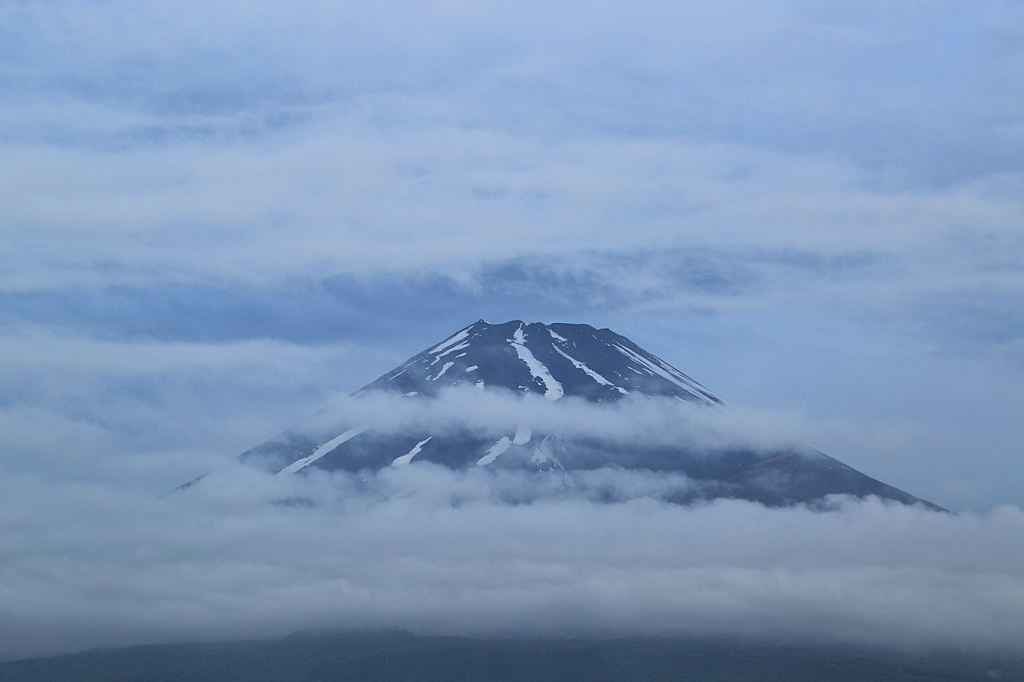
(218, 217)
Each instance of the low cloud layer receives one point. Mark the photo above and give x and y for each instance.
(433, 551)
(633, 419)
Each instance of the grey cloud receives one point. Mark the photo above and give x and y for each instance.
(900, 91)
(309, 310)
(92, 565)
(342, 200)
(631, 420)
(155, 414)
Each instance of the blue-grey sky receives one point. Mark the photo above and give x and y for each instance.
(216, 217)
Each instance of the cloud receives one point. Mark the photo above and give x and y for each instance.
(219, 215)
(155, 413)
(146, 146)
(634, 419)
(349, 198)
(94, 565)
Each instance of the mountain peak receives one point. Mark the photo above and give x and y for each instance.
(556, 360)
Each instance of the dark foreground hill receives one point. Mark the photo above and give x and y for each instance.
(404, 657)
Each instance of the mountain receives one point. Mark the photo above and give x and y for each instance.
(559, 362)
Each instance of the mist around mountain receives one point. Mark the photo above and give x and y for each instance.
(246, 554)
(577, 528)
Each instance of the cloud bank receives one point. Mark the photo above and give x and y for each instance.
(434, 551)
(634, 419)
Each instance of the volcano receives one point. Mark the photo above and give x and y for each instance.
(561, 362)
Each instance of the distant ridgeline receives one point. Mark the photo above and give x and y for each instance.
(397, 656)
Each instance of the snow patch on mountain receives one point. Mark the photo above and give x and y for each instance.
(495, 451)
(444, 368)
(655, 369)
(407, 457)
(451, 340)
(523, 435)
(586, 370)
(552, 388)
(449, 351)
(322, 450)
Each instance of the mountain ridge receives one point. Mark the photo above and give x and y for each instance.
(561, 361)
(532, 344)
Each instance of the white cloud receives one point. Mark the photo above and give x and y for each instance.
(154, 414)
(94, 565)
(353, 198)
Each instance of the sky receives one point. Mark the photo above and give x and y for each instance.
(217, 217)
